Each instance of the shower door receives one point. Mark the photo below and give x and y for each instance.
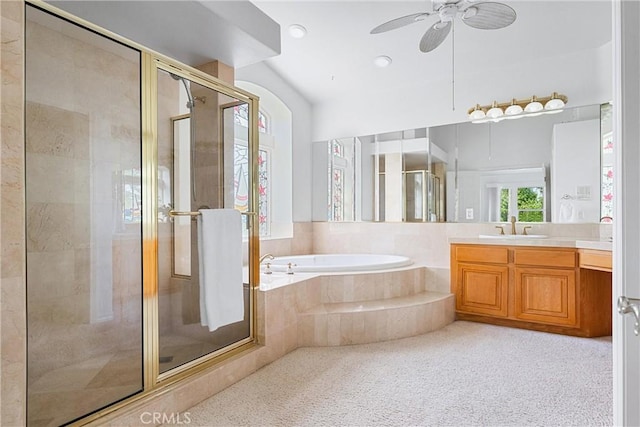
(124, 150)
(84, 238)
(199, 131)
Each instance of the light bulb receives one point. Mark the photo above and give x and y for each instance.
(477, 113)
(513, 109)
(554, 103)
(533, 106)
(495, 111)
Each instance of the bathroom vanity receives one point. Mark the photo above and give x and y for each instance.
(560, 286)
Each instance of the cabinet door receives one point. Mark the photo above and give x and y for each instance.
(482, 289)
(546, 295)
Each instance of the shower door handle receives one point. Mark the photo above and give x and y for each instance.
(630, 305)
(248, 215)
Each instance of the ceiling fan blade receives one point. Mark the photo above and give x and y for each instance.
(489, 16)
(435, 36)
(400, 22)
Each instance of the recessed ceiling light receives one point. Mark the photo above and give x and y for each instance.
(297, 31)
(382, 61)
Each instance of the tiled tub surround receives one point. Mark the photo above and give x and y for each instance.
(358, 308)
(355, 308)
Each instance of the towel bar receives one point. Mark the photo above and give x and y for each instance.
(194, 214)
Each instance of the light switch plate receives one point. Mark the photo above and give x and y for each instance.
(469, 213)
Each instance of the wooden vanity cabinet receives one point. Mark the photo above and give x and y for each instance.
(483, 280)
(545, 286)
(541, 288)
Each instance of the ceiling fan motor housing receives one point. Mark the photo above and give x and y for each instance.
(448, 12)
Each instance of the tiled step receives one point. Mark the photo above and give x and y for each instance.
(344, 323)
(371, 286)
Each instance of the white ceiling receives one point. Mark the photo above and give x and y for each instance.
(194, 32)
(335, 59)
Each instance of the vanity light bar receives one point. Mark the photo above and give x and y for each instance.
(517, 108)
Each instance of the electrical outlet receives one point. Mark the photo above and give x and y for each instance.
(469, 213)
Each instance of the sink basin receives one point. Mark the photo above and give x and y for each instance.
(513, 236)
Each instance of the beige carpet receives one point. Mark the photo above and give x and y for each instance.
(465, 374)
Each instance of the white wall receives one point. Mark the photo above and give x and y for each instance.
(584, 76)
(575, 163)
(320, 188)
(507, 144)
(264, 76)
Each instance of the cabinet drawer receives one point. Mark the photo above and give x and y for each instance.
(595, 260)
(492, 254)
(550, 258)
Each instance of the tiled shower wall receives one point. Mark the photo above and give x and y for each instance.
(12, 218)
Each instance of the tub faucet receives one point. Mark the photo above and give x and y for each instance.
(265, 256)
(513, 225)
(290, 268)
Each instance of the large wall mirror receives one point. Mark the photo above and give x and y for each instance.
(550, 168)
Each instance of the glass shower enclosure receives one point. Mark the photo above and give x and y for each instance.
(127, 154)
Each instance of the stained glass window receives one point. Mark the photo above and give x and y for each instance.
(336, 182)
(607, 160)
(337, 149)
(606, 204)
(241, 185)
(241, 171)
(607, 143)
(607, 192)
(241, 117)
(338, 185)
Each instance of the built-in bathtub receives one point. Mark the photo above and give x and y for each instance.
(336, 263)
(342, 299)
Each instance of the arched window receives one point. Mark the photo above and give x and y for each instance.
(275, 210)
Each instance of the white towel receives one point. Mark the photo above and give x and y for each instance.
(220, 267)
(567, 212)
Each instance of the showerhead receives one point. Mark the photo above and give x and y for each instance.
(191, 103)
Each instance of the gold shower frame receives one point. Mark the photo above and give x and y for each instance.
(155, 383)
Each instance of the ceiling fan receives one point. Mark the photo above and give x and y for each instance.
(484, 16)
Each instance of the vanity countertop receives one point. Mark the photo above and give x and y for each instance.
(566, 242)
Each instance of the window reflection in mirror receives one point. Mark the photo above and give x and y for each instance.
(554, 167)
(341, 179)
(606, 190)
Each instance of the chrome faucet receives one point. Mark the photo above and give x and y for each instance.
(513, 225)
(265, 256)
